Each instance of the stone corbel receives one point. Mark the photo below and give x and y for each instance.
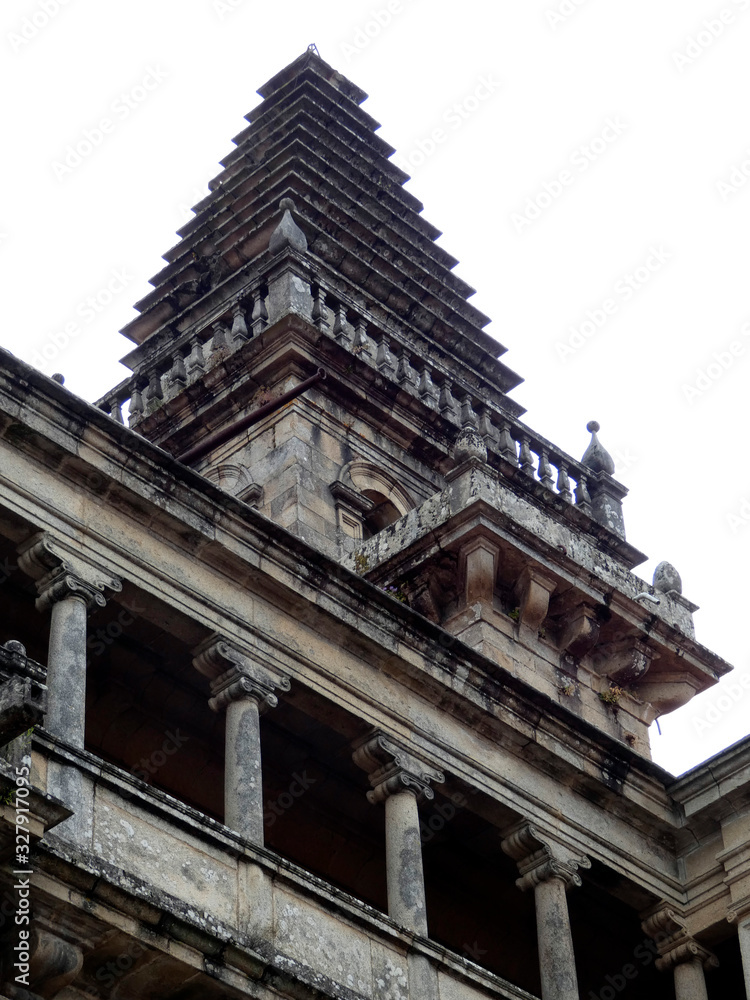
(234, 675)
(60, 572)
(540, 857)
(392, 768)
(580, 632)
(666, 691)
(625, 661)
(676, 946)
(478, 565)
(533, 591)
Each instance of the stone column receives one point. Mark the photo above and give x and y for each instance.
(245, 689)
(69, 586)
(402, 781)
(545, 868)
(679, 951)
(740, 915)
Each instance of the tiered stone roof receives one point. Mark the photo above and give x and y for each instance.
(310, 140)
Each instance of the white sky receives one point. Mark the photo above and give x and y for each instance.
(175, 77)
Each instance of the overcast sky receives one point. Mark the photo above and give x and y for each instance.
(586, 160)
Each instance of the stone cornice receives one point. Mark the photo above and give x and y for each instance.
(116, 466)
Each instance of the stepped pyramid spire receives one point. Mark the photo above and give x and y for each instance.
(371, 261)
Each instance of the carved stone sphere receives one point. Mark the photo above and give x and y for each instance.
(667, 578)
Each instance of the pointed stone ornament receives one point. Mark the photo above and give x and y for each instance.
(287, 233)
(667, 579)
(597, 458)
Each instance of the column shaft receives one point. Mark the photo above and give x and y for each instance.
(744, 934)
(556, 958)
(405, 874)
(690, 981)
(243, 779)
(66, 671)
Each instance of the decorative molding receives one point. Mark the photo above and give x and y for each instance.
(392, 768)
(61, 573)
(235, 675)
(669, 930)
(541, 858)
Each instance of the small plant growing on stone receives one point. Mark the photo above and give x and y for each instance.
(542, 633)
(398, 592)
(568, 690)
(612, 696)
(361, 562)
(515, 614)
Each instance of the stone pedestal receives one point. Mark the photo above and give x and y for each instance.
(544, 868)
(679, 951)
(401, 780)
(244, 689)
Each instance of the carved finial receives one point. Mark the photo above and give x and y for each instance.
(287, 233)
(667, 579)
(597, 458)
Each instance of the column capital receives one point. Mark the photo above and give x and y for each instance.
(740, 911)
(235, 675)
(392, 768)
(676, 945)
(541, 858)
(61, 573)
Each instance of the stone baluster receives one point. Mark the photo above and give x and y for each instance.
(544, 470)
(245, 689)
(583, 500)
(547, 868)
(259, 318)
(384, 359)
(69, 586)
(239, 326)
(402, 781)
(563, 482)
(447, 402)
(405, 373)
(506, 444)
(340, 327)
(177, 374)
(740, 916)
(319, 310)
(135, 411)
(361, 343)
(196, 360)
(154, 392)
(525, 460)
(219, 340)
(468, 414)
(427, 390)
(487, 429)
(679, 951)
